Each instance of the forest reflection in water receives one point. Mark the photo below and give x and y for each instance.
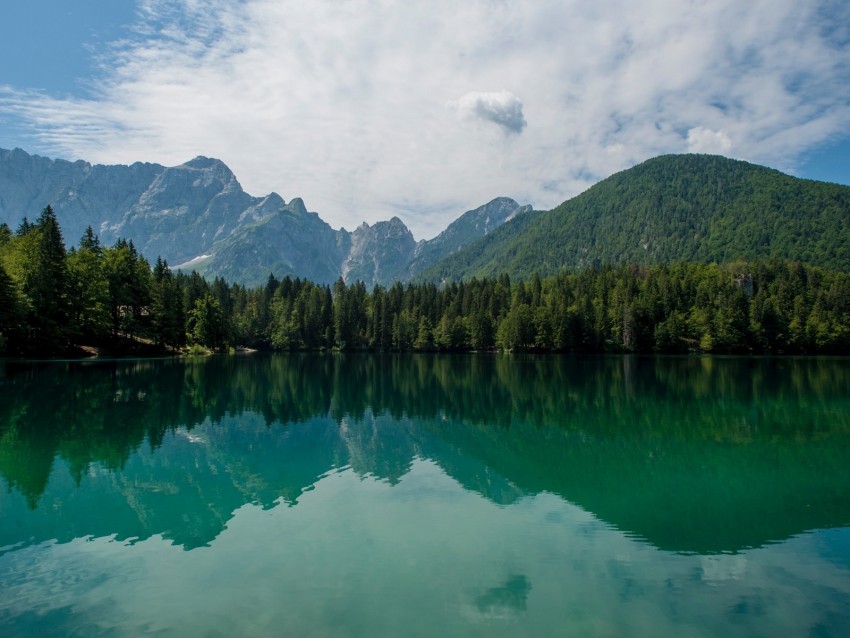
(696, 455)
(420, 495)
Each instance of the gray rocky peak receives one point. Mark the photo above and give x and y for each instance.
(297, 206)
(197, 213)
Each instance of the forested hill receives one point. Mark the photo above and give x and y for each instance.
(107, 299)
(673, 208)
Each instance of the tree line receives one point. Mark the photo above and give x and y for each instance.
(53, 299)
(692, 208)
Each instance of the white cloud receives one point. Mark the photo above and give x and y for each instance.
(703, 140)
(502, 108)
(343, 102)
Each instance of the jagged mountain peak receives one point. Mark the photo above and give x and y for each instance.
(211, 171)
(471, 226)
(396, 224)
(196, 214)
(296, 205)
(202, 162)
(379, 253)
(273, 199)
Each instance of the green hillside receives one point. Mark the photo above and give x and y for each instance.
(671, 208)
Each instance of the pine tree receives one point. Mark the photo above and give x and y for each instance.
(88, 290)
(167, 322)
(10, 312)
(46, 286)
(207, 323)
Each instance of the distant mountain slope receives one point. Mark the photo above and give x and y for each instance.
(379, 253)
(467, 228)
(177, 212)
(196, 216)
(299, 244)
(670, 208)
(289, 241)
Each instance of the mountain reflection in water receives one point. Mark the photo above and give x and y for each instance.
(694, 455)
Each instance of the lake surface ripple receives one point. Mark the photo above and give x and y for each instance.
(418, 495)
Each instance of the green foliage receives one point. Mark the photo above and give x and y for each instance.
(669, 209)
(207, 324)
(88, 290)
(35, 260)
(95, 295)
(11, 313)
(129, 280)
(90, 295)
(167, 319)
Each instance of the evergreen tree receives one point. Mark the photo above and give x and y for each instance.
(5, 234)
(167, 321)
(207, 324)
(90, 241)
(45, 284)
(88, 292)
(10, 312)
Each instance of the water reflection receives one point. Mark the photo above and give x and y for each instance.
(508, 599)
(694, 455)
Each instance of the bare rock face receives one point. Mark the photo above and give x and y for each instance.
(379, 253)
(185, 210)
(288, 241)
(197, 216)
(176, 212)
(81, 194)
(467, 228)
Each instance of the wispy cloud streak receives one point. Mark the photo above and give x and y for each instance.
(354, 104)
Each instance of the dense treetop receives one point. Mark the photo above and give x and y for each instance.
(53, 302)
(674, 208)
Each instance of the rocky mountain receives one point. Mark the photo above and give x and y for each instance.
(288, 241)
(379, 253)
(196, 216)
(467, 228)
(176, 212)
(294, 242)
(671, 208)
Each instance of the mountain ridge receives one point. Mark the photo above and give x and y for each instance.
(196, 215)
(669, 208)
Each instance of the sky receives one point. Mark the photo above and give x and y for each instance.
(372, 108)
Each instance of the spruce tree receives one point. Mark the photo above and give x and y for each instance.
(46, 285)
(10, 313)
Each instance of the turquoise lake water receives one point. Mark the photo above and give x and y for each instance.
(419, 495)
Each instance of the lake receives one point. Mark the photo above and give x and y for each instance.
(424, 495)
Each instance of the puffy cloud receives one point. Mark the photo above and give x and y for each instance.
(501, 108)
(703, 140)
(344, 103)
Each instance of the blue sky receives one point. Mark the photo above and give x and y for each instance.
(373, 108)
(53, 45)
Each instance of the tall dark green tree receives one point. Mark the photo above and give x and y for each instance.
(207, 324)
(166, 312)
(46, 285)
(130, 281)
(11, 313)
(88, 289)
